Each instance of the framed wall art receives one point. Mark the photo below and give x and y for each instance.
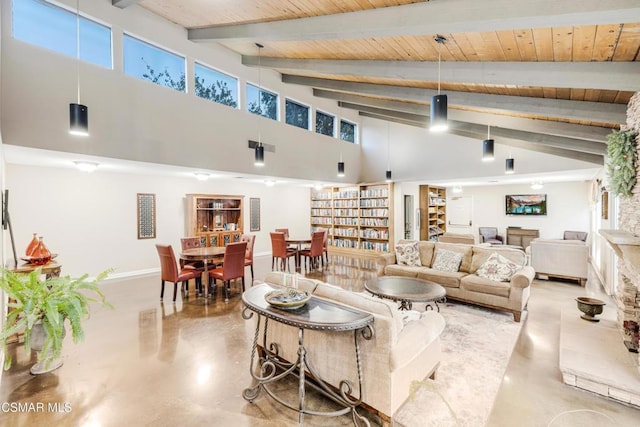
(254, 214)
(146, 216)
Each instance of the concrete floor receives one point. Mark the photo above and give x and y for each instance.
(160, 364)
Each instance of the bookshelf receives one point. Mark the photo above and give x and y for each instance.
(358, 217)
(433, 212)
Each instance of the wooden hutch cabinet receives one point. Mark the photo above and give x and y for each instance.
(216, 219)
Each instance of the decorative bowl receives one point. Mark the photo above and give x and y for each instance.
(287, 298)
(591, 307)
(38, 260)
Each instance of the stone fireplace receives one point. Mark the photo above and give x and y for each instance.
(626, 243)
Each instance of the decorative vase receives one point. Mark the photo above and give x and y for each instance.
(38, 336)
(40, 254)
(591, 307)
(32, 245)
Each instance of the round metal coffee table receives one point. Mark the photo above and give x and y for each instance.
(407, 290)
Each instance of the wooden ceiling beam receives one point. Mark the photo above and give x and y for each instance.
(124, 3)
(570, 130)
(440, 17)
(460, 130)
(560, 108)
(497, 133)
(623, 76)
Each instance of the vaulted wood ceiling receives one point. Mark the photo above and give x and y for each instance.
(550, 75)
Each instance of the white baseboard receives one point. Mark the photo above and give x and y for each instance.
(132, 274)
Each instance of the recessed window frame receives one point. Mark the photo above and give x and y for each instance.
(217, 70)
(301, 104)
(262, 89)
(325, 113)
(73, 13)
(126, 34)
(355, 131)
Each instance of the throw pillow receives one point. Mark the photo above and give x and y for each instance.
(408, 254)
(498, 268)
(447, 260)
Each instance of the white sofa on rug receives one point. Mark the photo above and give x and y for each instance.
(464, 284)
(566, 259)
(392, 360)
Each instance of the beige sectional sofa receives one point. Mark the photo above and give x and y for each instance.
(568, 259)
(464, 284)
(396, 356)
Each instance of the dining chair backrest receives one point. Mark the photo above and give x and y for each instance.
(283, 230)
(190, 243)
(250, 239)
(278, 245)
(317, 242)
(168, 267)
(325, 238)
(233, 265)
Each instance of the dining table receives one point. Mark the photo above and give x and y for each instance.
(298, 244)
(204, 254)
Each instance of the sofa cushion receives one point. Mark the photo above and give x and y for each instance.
(498, 268)
(447, 260)
(361, 301)
(401, 270)
(478, 284)
(482, 254)
(426, 252)
(465, 250)
(418, 332)
(407, 254)
(445, 278)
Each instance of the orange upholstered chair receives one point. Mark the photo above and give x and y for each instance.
(314, 253)
(279, 250)
(248, 256)
(232, 267)
(169, 271)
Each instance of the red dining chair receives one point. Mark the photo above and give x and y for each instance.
(279, 250)
(248, 256)
(232, 267)
(314, 253)
(325, 246)
(170, 272)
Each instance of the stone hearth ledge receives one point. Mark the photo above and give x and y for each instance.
(593, 357)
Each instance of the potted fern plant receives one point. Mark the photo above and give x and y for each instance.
(40, 308)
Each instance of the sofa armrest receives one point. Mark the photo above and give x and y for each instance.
(385, 259)
(416, 335)
(524, 277)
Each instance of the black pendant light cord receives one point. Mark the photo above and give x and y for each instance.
(259, 90)
(78, 47)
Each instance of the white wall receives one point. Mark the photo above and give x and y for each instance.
(418, 155)
(137, 120)
(90, 219)
(568, 207)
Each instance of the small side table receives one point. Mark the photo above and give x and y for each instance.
(317, 314)
(407, 290)
(50, 269)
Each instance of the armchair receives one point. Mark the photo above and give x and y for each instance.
(490, 235)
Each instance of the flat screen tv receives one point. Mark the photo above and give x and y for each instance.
(526, 204)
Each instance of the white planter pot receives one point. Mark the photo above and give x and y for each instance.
(38, 335)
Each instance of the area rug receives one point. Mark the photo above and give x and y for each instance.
(476, 346)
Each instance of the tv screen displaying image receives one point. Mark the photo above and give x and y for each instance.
(526, 204)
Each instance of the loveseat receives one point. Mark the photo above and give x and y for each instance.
(397, 355)
(567, 259)
(464, 284)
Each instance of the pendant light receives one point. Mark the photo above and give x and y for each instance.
(78, 113)
(487, 147)
(259, 150)
(340, 167)
(439, 102)
(509, 166)
(388, 174)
